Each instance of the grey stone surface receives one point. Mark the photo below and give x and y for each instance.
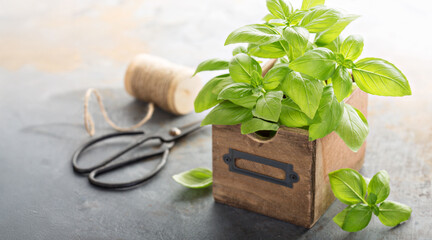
(52, 51)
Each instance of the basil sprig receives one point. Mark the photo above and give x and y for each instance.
(195, 178)
(363, 199)
(307, 86)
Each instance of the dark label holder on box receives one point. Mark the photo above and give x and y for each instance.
(291, 177)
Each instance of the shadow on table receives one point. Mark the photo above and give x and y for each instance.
(189, 195)
(234, 223)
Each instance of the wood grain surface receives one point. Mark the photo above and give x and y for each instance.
(52, 51)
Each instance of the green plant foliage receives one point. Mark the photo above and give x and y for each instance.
(256, 124)
(212, 65)
(195, 178)
(329, 115)
(304, 91)
(353, 127)
(208, 96)
(316, 71)
(350, 187)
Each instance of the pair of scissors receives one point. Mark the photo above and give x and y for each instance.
(167, 139)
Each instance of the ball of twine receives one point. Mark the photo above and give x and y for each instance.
(154, 80)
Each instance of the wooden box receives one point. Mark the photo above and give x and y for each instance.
(309, 197)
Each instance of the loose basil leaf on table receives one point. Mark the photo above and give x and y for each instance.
(353, 128)
(342, 83)
(256, 124)
(279, 8)
(319, 63)
(307, 4)
(379, 77)
(208, 96)
(329, 35)
(379, 186)
(320, 19)
(304, 91)
(348, 186)
(242, 66)
(241, 94)
(254, 33)
(352, 47)
(393, 213)
(227, 113)
(291, 115)
(212, 65)
(354, 218)
(328, 116)
(195, 178)
(268, 106)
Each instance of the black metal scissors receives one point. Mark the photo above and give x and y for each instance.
(167, 139)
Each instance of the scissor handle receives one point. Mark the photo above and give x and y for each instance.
(164, 149)
(83, 147)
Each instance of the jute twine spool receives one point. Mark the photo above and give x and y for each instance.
(154, 80)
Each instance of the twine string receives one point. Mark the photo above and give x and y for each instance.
(88, 120)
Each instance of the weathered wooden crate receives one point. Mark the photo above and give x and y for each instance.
(309, 197)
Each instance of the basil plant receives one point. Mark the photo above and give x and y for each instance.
(316, 70)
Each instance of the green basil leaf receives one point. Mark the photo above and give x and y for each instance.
(227, 113)
(334, 45)
(342, 83)
(340, 217)
(268, 17)
(195, 178)
(357, 217)
(371, 199)
(353, 128)
(239, 49)
(255, 33)
(329, 35)
(279, 8)
(256, 80)
(241, 94)
(208, 95)
(352, 47)
(242, 66)
(379, 77)
(291, 115)
(311, 3)
(212, 65)
(297, 16)
(348, 186)
(269, 106)
(379, 186)
(328, 116)
(275, 76)
(271, 50)
(298, 38)
(393, 213)
(375, 209)
(319, 63)
(320, 19)
(304, 91)
(256, 124)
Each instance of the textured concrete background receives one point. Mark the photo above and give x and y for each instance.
(52, 51)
